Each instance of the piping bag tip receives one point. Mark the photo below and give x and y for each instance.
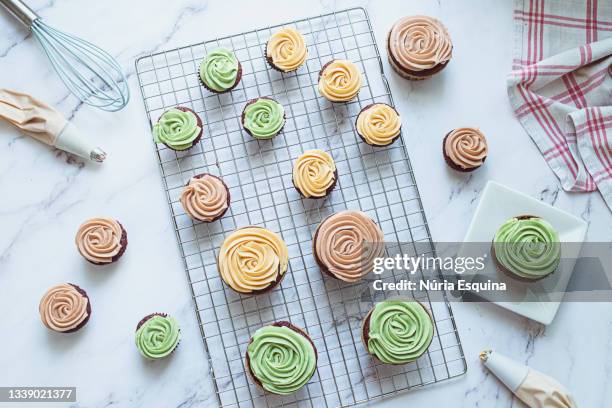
(97, 155)
(73, 141)
(484, 355)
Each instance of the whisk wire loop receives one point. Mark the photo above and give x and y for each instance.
(89, 72)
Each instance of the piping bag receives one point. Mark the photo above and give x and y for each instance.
(46, 124)
(535, 389)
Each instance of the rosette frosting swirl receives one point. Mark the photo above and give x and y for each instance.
(63, 308)
(314, 173)
(252, 259)
(418, 43)
(219, 70)
(177, 129)
(263, 118)
(99, 240)
(399, 331)
(528, 247)
(205, 198)
(281, 359)
(466, 147)
(287, 49)
(346, 244)
(157, 336)
(339, 81)
(379, 124)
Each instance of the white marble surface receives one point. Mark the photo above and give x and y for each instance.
(44, 195)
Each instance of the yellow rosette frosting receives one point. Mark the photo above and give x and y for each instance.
(252, 259)
(314, 173)
(340, 81)
(286, 49)
(379, 124)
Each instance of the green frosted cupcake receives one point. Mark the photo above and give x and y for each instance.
(281, 358)
(263, 118)
(397, 331)
(157, 336)
(220, 71)
(179, 128)
(526, 247)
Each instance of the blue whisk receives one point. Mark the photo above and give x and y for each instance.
(89, 72)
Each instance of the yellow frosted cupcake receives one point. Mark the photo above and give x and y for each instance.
(286, 50)
(253, 260)
(378, 124)
(339, 81)
(315, 174)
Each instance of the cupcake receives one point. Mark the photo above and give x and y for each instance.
(205, 198)
(465, 149)
(418, 47)
(526, 247)
(220, 71)
(179, 129)
(252, 260)
(286, 50)
(263, 118)
(314, 174)
(378, 124)
(65, 308)
(101, 241)
(157, 336)
(339, 81)
(346, 244)
(397, 331)
(281, 358)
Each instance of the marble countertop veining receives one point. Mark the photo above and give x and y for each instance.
(46, 194)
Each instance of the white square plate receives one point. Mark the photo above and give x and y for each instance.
(500, 203)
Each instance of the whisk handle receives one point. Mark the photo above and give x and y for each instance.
(21, 11)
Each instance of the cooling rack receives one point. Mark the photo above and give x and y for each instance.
(378, 181)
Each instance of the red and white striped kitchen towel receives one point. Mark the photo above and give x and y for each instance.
(561, 87)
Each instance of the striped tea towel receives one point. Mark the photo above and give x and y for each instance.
(561, 87)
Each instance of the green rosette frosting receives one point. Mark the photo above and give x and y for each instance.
(219, 70)
(527, 247)
(264, 118)
(399, 332)
(157, 337)
(281, 359)
(177, 129)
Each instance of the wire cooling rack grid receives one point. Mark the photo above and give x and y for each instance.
(378, 181)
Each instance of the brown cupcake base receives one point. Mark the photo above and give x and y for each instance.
(200, 125)
(508, 272)
(319, 78)
(272, 285)
(365, 333)
(88, 309)
(364, 139)
(327, 192)
(123, 241)
(408, 74)
(247, 360)
(199, 176)
(238, 78)
(242, 117)
(454, 165)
